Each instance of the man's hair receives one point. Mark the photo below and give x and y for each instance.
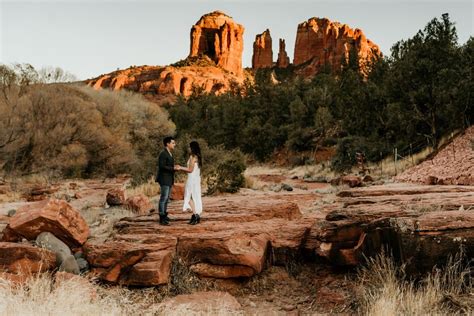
(167, 140)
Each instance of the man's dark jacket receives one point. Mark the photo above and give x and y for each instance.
(165, 174)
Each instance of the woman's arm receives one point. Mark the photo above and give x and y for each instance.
(190, 167)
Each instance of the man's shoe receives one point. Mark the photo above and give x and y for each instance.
(192, 220)
(167, 218)
(163, 220)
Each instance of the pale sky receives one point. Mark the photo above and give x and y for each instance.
(90, 38)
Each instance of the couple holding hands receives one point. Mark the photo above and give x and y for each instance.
(192, 189)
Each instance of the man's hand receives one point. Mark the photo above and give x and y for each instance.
(177, 167)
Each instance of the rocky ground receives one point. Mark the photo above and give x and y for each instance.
(454, 164)
(289, 247)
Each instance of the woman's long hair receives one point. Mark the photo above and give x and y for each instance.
(196, 151)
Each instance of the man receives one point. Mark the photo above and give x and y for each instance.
(165, 177)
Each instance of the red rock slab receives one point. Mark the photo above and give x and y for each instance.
(20, 259)
(54, 216)
(154, 269)
(442, 221)
(226, 249)
(402, 189)
(132, 263)
(243, 209)
(289, 239)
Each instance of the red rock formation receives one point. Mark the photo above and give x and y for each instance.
(162, 84)
(283, 60)
(454, 164)
(19, 261)
(262, 51)
(320, 41)
(133, 261)
(423, 225)
(139, 204)
(54, 216)
(115, 197)
(217, 36)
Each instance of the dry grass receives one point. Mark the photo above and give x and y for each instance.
(42, 296)
(149, 188)
(387, 291)
(313, 171)
(9, 197)
(253, 183)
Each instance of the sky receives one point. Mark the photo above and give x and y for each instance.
(89, 38)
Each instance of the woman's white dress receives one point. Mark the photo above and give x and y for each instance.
(192, 190)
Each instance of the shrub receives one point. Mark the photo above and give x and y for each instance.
(78, 131)
(222, 169)
(227, 174)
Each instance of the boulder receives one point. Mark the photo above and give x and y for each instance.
(49, 241)
(39, 193)
(131, 263)
(139, 204)
(351, 181)
(115, 197)
(16, 258)
(226, 255)
(68, 263)
(55, 216)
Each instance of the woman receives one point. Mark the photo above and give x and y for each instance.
(192, 190)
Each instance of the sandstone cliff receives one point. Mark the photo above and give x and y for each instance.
(213, 65)
(320, 41)
(262, 51)
(217, 36)
(215, 59)
(162, 84)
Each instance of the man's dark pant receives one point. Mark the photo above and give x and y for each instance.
(164, 197)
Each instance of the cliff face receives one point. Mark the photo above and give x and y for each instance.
(262, 51)
(217, 36)
(321, 41)
(214, 63)
(161, 84)
(215, 59)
